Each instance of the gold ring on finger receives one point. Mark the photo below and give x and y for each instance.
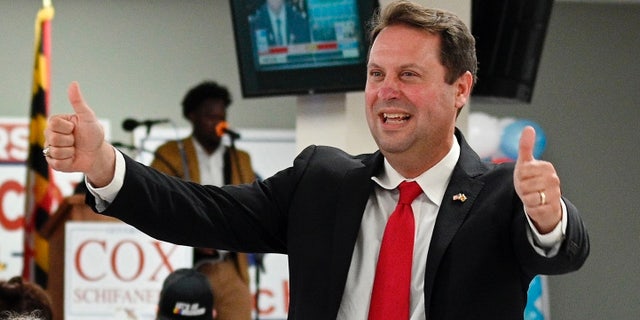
(543, 198)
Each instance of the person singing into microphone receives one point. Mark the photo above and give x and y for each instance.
(203, 158)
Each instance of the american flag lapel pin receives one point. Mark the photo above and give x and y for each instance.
(460, 197)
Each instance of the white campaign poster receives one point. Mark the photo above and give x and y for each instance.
(14, 147)
(114, 271)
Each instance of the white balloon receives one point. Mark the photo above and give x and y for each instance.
(504, 122)
(484, 134)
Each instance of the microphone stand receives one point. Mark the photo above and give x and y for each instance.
(144, 139)
(235, 164)
(232, 141)
(257, 257)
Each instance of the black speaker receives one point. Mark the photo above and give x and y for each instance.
(509, 40)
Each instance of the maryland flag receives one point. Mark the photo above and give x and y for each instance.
(42, 196)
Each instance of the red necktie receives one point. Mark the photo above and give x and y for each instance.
(392, 284)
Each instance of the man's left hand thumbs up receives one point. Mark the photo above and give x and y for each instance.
(537, 185)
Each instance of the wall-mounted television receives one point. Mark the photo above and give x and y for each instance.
(295, 47)
(509, 41)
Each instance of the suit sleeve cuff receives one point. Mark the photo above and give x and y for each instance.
(548, 244)
(105, 195)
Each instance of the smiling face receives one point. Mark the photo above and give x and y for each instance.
(411, 110)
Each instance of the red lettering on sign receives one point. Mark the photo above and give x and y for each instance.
(8, 187)
(262, 310)
(127, 260)
(285, 296)
(114, 260)
(268, 306)
(78, 256)
(14, 142)
(164, 259)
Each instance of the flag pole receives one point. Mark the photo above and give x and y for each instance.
(42, 195)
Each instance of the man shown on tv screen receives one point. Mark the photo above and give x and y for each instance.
(279, 23)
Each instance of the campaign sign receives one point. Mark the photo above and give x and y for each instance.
(14, 148)
(114, 271)
(271, 287)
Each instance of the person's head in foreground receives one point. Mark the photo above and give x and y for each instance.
(186, 294)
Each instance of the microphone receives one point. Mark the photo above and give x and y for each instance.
(223, 127)
(130, 124)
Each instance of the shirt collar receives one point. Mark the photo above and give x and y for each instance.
(202, 154)
(433, 182)
(281, 15)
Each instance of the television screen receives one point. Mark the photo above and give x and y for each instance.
(509, 41)
(289, 47)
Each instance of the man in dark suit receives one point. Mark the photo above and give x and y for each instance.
(280, 22)
(482, 231)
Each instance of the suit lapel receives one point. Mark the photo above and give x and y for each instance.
(452, 211)
(354, 193)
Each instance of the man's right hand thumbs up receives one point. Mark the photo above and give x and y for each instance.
(75, 142)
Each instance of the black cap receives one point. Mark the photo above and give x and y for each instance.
(186, 294)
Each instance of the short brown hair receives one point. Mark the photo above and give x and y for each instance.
(458, 52)
(23, 298)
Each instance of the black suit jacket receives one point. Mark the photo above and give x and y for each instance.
(479, 264)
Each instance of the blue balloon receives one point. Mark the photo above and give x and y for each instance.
(534, 309)
(510, 140)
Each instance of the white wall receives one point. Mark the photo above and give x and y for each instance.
(132, 59)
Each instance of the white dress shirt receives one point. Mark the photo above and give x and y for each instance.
(279, 25)
(211, 166)
(434, 182)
